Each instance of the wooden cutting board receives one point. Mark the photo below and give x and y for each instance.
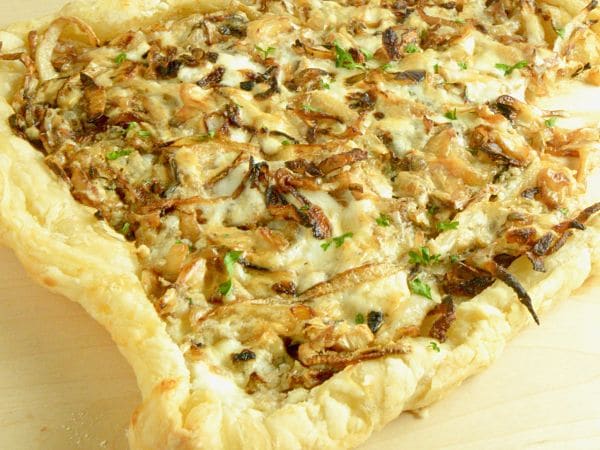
(64, 385)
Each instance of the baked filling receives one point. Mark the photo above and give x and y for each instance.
(313, 184)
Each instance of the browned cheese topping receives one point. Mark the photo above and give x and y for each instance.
(311, 184)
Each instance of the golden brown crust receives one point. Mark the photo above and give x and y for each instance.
(65, 248)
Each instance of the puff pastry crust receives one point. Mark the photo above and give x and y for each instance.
(65, 248)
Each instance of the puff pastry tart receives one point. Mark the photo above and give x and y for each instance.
(299, 218)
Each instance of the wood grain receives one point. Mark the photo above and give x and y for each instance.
(65, 386)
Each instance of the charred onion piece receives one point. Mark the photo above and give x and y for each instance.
(391, 43)
(507, 106)
(49, 40)
(340, 160)
(339, 360)
(94, 96)
(482, 138)
(213, 79)
(580, 220)
(511, 281)
(409, 76)
(447, 313)
(465, 280)
(307, 80)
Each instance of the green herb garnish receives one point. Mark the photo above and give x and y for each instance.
(454, 259)
(265, 51)
(115, 154)
(125, 229)
(359, 319)
(229, 261)
(446, 225)
(286, 142)
(436, 68)
(564, 211)
(132, 126)
(423, 257)
(344, 59)
(451, 115)
(120, 58)
(550, 122)
(309, 108)
(462, 65)
(383, 220)
(560, 32)
(416, 286)
(432, 210)
(338, 241)
(434, 346)
(509, 69)
(411, 48)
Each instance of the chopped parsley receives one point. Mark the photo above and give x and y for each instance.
(229, 261)
(462, 65)
(265, 52)
(550, 122)
(344, 59)
(338, 241)
(451, 115)
(411, 48)
(386, 66)
(446, 225)
(433, 345)
(383, 220)
(205, 137)
(509, 69)
(132, 126)
(325, 84)
(564, 211)
(309, 108)
(120, 58)
(436, 68)
(125, 229)
(286, 142)
(423, 257)
(416, 286)
(454, 259)
(116, 154)
(225, 287)
(560, 32)
(432, 210)
(359, 319)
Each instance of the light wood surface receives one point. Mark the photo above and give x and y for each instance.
(64, 385)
